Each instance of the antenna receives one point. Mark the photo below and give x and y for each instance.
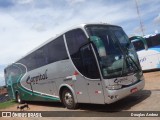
(141, 25)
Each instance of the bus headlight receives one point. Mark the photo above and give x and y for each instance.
(114, 87)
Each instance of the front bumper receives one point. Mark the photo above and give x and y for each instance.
(115, 95)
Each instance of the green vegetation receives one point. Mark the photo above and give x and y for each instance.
(7, 104)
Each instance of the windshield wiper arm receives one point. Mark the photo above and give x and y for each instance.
(134, 62)
(126, 60)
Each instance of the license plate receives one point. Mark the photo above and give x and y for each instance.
(134, 90)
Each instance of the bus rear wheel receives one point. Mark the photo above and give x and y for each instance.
(18, 98)
(68, 99)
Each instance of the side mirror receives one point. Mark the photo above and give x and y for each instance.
(140, 38)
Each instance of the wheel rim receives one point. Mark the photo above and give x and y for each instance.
(68, 98)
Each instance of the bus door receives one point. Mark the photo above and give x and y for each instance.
(91, 73)
(87, 85)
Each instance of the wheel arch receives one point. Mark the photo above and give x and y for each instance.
(66, 86)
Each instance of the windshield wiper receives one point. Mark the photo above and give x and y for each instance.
(127, 59)
(127, 53)
(133, 62)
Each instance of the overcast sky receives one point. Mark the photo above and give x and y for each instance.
(25, 24)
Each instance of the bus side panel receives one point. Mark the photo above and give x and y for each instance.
(46, 80)
(77, 84)
(149, 59)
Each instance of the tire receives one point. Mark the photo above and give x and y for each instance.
(18, 98)
(68, 99)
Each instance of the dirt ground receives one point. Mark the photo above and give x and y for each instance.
(152, 80)
(146, 100)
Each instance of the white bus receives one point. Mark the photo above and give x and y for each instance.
(148, 50)
(90, 63)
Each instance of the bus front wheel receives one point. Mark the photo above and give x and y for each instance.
(68, 99)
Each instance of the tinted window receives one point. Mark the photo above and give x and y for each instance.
(40, 58)
(89, 63)
(75, 40)
(121, 36)
(49, 53)
(56, 50)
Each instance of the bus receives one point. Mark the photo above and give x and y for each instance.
(89, 63)
(148, 50)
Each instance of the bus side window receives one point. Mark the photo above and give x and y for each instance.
(55, 50)
(89, 63)
(50, 53)
(75, 40)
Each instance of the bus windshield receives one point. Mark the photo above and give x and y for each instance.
(111, 44)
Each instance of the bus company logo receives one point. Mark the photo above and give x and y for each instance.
(36, 79)
(142, 60)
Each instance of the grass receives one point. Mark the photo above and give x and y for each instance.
(7, 104)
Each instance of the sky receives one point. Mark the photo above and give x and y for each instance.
(25, 24)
